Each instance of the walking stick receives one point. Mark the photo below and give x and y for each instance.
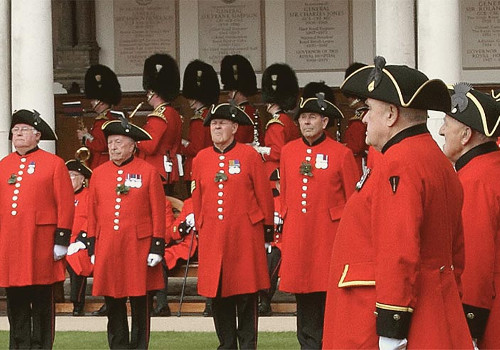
(185, 274)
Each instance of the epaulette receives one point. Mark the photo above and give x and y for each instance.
(198, 114)
(103, 115)
(274, 119)
(158, 112)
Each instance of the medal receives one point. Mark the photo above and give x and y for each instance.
(321, 161)
(234, 167)
(31, 168)
(133, 180)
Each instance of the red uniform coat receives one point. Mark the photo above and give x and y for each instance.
(279, 130)
(164, 125)
(230, 217)
(199, 137)
(245, 133)
(98, 147)
(415, 254)
(354, 138)
(180, 247)
(40, 200)
(80, 261)
(481, 217)
(311, 207)
(124, 226)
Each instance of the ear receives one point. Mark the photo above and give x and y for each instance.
(234, 128)
(324, 122)
(466, 135)
(392, 115)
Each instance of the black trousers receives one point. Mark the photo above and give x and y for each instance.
(31, 313)
(310, 315)
(78, 286)
(273, 267)
(118, 334)
(230, 333)
(162, 294)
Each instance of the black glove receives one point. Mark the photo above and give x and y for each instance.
(184, 229)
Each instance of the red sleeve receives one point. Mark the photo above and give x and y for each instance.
(350, 174)
(157, 202)
(169, 220)
(99, 143)
(354, 137)
(274, 138)
(262, 189)
(196, 138)
(156, 127)
(64, 195)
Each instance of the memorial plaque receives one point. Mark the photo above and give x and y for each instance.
(480, 34)
(317, 34)
(142, 28)
(228, 27)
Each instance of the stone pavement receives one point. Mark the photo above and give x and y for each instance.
(162, 324)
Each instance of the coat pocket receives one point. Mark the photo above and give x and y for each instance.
(47, 217)
(255, 215)
(336, 212)
(144, 230)
(358, 275)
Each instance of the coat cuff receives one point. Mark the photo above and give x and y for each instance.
(91, 246)
(477, 317)
(157, 246)
(83, 237)
(184, 229)
(62, 236)
(393, 321)
(268, 233)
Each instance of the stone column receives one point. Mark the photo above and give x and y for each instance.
(395, 31)
(32, 64)
(5, 109)
(439, 48)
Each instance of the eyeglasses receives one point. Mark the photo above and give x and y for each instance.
(23, 130)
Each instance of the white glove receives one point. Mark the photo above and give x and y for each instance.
(263, 150)
(385, 343)
(59, 252)
(474, 343)
(92, 259)
(190, 220)
(185, 143)
(76, 246)
(154, 259)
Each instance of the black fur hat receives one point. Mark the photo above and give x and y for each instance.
(237, 73)
(161, 75)
(280, 86)
(102, 84)
(311, 89)
(201, 83)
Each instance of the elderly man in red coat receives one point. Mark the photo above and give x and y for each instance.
(470, 131)
(126, 229)
(161, 80)
(233, 209)
(395, 272)
(318, 175)
(36, 211)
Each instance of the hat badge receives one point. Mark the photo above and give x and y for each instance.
(235, 71)
(199, 73)
(158, 67)
(98, 77)
(321, 100)
(376, 74)
(274, 78)
(459, 100)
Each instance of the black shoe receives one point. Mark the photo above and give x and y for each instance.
(208, 310)
(103, 311)
(265, 309)
(163, 311)
(78, 310)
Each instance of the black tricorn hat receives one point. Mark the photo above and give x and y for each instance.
(102, 84)
(475, 109)
(121, 126)
(161, 75)
(201, 83)
(280, 86)
(76, 165)
(399, 85)
(275, 175)
(236, 73)
(317, 97)
(312, 89)
(24, 116)
(228, 111)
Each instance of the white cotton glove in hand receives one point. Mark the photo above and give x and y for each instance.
(474, 343)
(154, 259)
(263, 150)
(92, 259)
(76, 246)
(385, 343)
(185, 143)
(190, 220)
(59, 252)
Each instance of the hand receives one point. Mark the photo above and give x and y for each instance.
(474, 343)
(265, 151)
(76, 246)
(385, 343)
(59, 252)
(92, 259)
(80, 133)
(185, 143)
(154, 259)
(190, 220)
